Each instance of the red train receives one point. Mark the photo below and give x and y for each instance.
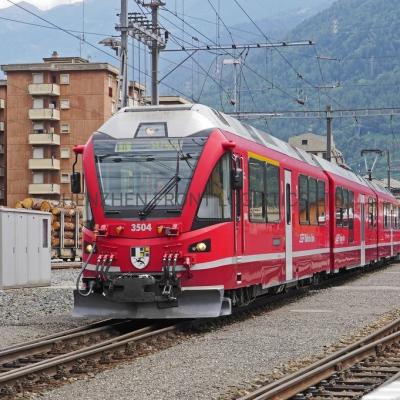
(191, 213)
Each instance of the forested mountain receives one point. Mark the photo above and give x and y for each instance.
(354, 64)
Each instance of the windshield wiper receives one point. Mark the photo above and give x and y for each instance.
(163, 191)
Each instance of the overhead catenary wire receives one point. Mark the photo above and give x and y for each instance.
(298, 74)
(85, 41)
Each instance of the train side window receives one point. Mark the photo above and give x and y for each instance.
(312, 201)
(339, 206)
(345, 212)
(350, 213)
(386, 215)
(215, 205)
(321, 203)
(372, 212)
(256, 191)
(273, 209)
(398, 217)
(304, 214)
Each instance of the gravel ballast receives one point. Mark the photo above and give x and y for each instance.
(208, 365)
(33, 312)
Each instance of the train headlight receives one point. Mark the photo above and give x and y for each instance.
(201, 246)
(89, 248)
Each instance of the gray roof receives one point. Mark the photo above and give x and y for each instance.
(198, 117)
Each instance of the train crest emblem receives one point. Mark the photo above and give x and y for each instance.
(140, 257)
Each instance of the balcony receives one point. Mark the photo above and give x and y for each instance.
(2, 148)
(44, 89)
(2, 104)
(44, 188)
(44, 163)
(1, 126)
(44, 138)
(41, 114)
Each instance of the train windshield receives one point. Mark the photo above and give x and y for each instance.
(143, 177)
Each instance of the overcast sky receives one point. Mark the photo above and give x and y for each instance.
(42, 4)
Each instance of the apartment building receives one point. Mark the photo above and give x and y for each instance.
(3, 153)
(50, 107)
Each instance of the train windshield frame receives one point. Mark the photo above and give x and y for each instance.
(141, 178)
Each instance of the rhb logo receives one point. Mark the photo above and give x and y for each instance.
(140, 257)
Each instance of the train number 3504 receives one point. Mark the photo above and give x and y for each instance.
(141, 227)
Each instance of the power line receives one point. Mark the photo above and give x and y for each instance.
(85, 41)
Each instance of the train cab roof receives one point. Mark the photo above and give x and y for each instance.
(127, 122)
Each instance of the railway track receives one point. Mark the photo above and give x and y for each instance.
(347, 374)
(34, 365)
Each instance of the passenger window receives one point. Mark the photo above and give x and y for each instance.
(273, 209)
(339, 206)
(215, 205)
(372, 213)
(321, 203)
(386, 215)
(303, 200)
(312, 198)
(345, 212)
(256, 191)
(264, 195)
(350, 213)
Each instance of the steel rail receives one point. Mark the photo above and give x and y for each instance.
(297, 382)
(43, 345)
(87, 352)
(58, 334)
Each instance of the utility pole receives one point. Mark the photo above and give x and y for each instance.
(388, 168)
(149, 33)
(123, 54)
(155, 53)
(329, 139)
(235, 99)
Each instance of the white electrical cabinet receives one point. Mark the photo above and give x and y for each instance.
(25, 248)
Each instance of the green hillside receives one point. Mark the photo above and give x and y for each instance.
(358, 42)
(354, 64)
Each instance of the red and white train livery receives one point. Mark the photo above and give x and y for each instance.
(191, 212)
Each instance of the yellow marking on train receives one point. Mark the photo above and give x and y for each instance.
(262, 158)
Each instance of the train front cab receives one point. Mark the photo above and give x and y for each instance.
(162, 262)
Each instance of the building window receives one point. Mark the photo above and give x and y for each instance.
(64, 127)
(113, 107)
(38, 127)
(38, 177)
(110, 81)
(64, 104)
(64, 79)
(37, 78)
(38, 152)
(304, 142)
(64, 153)
(64, 177)
(38, 103)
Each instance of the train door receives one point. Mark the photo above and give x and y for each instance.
(288, 226)
(238, 209)
(362, 228)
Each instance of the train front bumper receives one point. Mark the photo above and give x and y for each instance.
(190, 303)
